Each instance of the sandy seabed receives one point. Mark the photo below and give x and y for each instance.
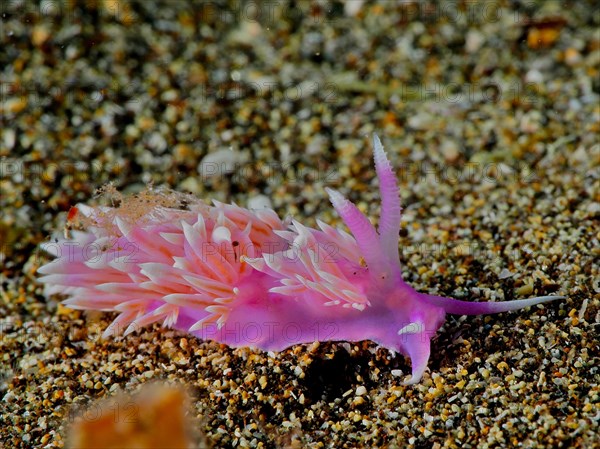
(491, 113)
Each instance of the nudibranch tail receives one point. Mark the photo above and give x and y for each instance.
(458, 307)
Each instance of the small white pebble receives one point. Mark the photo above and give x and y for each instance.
(361, 391)
(220, 162)
(260, 202)
(583, 308)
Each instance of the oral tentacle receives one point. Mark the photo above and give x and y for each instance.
(458, 307)
(418, 348)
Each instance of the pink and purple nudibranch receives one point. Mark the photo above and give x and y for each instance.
(247, 278)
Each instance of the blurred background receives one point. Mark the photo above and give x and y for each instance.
(490, 112)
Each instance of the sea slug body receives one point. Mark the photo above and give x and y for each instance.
(247, 278)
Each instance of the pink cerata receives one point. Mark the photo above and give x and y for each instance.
(247, 278)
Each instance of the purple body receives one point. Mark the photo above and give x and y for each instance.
(246, 278)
